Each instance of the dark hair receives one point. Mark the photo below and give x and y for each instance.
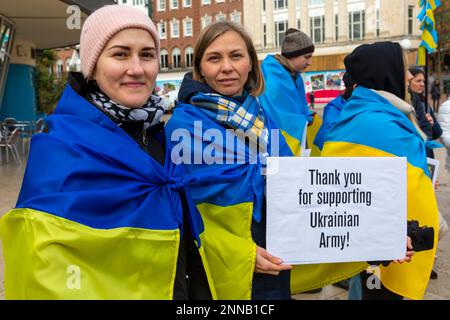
(416, 71)
(349, 84)
(255, 81)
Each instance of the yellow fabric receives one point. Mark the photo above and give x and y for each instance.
(293, 143)
(421, 56)
(312, 130)
(408, 279)
(48, 257)
(312, 276)
(428, 38)
(229, 249)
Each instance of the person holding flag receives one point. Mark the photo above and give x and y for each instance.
(284, 99)
(218, 129)
(377, 122)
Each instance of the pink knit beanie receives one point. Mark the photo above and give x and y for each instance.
(102, 25)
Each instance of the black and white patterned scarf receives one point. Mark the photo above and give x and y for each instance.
(150, 113)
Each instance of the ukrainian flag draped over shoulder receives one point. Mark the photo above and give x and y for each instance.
(331, 114)
(227, 206)
(370, 126)
(285, 103)
(97, 217)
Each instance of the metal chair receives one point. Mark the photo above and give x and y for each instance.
(10, 144)
(40, 126)
(8, 122)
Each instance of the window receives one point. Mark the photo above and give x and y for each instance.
(221, 17)
(264, 5)
(173, 4)
(264, 35)
(236, 17)
(176, 58)
(315, 2)
(298, 4)
(317, 29)
(220, 1)
(187, 3)
(175, 29)
(164, 59)
(378, 22)
(280, 4)
(59, 68)
(189, 57)
(298, 24)
(280, 29)
(206, 20)
(206, 2)
(162, 30)
(68, 65)
(161, 5)
(188, 28)
(410, 19)
(356, 25)
(336, 23)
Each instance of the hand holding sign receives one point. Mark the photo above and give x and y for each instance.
(336, 209)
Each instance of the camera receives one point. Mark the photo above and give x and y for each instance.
(422, 238)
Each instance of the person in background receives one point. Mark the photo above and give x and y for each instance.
(424, 113)
(311, 100)
(284, 99)
(436, 95)
(444, 120)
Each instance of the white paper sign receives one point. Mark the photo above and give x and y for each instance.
(433, 167)
(323, 210)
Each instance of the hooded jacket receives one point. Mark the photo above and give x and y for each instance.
(371, 126)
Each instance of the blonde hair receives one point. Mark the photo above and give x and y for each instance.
(255, 81)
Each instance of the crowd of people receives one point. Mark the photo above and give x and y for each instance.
(108, 210)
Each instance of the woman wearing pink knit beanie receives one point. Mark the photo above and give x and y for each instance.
(106, 204)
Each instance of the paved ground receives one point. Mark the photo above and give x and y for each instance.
(11, 178)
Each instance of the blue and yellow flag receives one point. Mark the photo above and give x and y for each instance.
(285, 104)
(331, 114)
(97, 217)
(429, 36)
(369, 126)
(227, 207)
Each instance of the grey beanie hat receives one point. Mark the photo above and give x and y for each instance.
(296, 43)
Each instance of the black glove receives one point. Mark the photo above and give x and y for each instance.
(422, 238)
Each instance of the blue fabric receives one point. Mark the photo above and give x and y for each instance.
(371, 120)
(354, 288)
(283, 100)
(88, 170)
(331, 114)
(237, 161)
